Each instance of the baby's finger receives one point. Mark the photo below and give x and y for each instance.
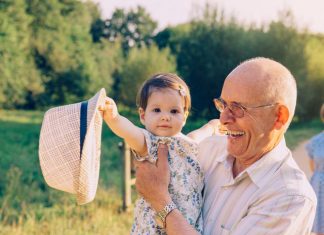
(109, 100)
(101, 107)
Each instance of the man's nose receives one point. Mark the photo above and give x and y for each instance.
(226, 116)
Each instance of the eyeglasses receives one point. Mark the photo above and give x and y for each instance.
(236, 109)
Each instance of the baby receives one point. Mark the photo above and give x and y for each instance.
(164, 103)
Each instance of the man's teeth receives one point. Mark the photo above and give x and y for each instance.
(234, 133)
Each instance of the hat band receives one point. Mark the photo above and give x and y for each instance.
(83, 124)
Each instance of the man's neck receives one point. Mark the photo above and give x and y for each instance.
(237, 168)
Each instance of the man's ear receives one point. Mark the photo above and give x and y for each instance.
(282, 116)
(141, 114)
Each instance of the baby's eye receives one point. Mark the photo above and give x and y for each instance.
(174, 111)
(156, 110)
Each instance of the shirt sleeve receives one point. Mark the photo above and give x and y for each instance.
(283, 214)
(210, 149)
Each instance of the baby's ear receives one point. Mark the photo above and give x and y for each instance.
(186, 114)
(185, 117)
(141, 114)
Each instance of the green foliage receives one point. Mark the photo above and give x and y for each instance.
(215, 45)
(133, 28)
(19, 77)
(207, 54)
(284, 43)
(73, 66)
(313, 84)
(55, 52)
(48, 57)
(172, 37)
(140, 65)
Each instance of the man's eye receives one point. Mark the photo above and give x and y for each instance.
(157, 110)
(235, 107)
(174, 111)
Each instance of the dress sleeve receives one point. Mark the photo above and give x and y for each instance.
(152, 145)
(309, 149)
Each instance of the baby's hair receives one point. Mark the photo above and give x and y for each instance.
(162, 81)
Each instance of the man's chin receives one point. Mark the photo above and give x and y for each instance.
(233, 148)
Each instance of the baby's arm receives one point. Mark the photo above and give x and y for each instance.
(122, 127)
(205, 131)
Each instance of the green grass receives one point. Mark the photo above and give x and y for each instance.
(298, 132)
(29, 206)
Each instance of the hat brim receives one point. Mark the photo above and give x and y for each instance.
(91, 150)
(65, 164)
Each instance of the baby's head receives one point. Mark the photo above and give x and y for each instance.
(164, 103)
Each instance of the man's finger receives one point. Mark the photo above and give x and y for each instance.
(162, 161)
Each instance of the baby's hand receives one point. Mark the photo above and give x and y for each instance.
(109, 109)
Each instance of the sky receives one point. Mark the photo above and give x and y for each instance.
(308, 13)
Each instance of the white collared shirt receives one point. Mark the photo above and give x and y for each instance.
(272, 196)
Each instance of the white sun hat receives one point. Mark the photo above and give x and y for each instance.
(70, 147)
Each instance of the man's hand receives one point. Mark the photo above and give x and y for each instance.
(109, 109)
(152, 181)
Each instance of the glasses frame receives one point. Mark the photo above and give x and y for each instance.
(242, 107)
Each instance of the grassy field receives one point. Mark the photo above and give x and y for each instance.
(29, 206)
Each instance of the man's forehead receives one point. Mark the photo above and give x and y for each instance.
(242, 87)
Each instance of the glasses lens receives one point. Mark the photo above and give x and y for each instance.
(236, 110)
(219, 104)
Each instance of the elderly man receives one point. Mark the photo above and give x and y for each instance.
(252, 184)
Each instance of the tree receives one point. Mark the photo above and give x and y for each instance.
(133, 28)
(19, 77)
(172, 36)
(207, 54)
(311, 96)
(140, 65)
(72, 66)
(284, 43)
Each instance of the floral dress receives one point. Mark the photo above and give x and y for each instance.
(186, 183)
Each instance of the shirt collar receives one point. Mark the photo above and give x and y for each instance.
(261, 169)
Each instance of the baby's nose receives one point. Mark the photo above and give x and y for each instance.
(165, 117)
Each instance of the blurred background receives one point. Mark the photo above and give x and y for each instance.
(55, 52)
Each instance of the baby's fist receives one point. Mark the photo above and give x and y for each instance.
(109, 109)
